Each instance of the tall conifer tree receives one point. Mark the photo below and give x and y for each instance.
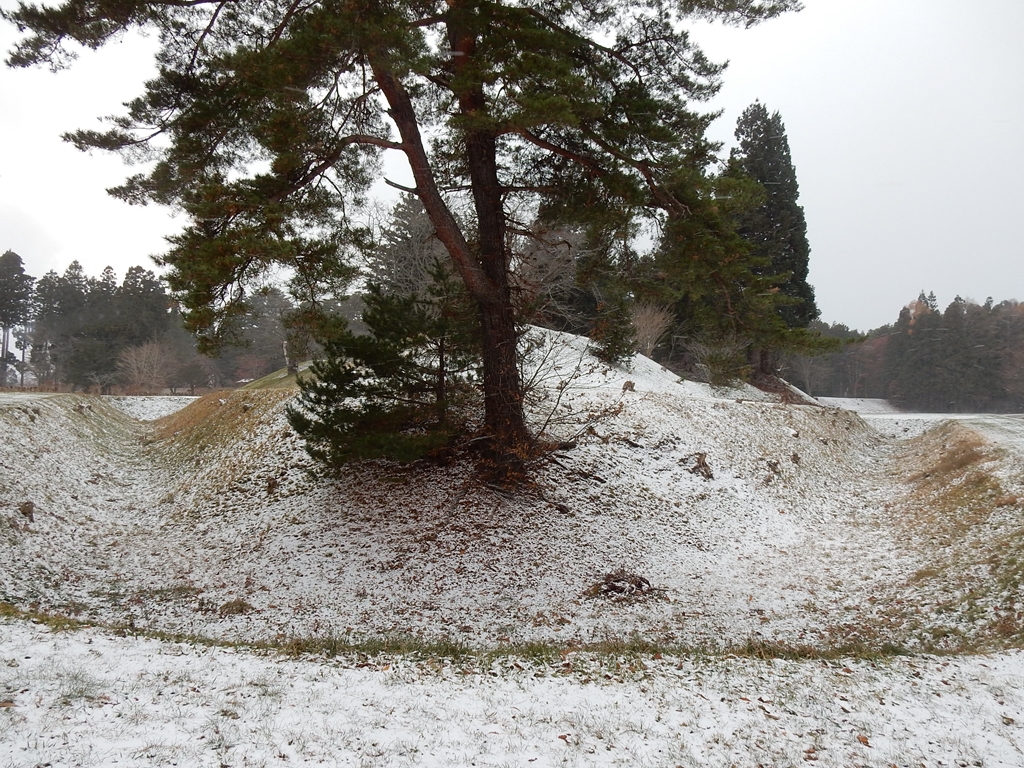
(776, 228)
(15, 303)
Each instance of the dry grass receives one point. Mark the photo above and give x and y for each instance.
(945, 451)
(279, 379)
(216, 418)
(955, 512)
(953, 488)
(216, 421)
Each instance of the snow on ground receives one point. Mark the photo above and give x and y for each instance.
(149, 408)
(861, 405)
(789, 529)
(890, 421)
(886, 418)
(89, 699)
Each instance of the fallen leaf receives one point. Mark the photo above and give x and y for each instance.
(863, 740)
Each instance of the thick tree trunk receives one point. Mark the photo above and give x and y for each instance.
(483, 269)
(503, 401)
(502, 386)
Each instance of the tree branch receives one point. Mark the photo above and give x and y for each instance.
(447, 228)
(292, 9)
(396, 185)
(563, 152)
(206, 31)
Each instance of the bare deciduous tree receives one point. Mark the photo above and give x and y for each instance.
(251, 367)
(544, 274)
(722, 361)
(650, 324)
(409, 251)
(147, 367)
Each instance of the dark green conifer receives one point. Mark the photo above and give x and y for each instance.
(400, 390)
(776, 228)
(612, 332)
(15, 304)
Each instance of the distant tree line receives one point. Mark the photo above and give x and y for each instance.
(74, 331)
(968, 357)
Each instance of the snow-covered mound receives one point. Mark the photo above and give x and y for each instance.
(736, 519)
(558, 360)
(676, 517)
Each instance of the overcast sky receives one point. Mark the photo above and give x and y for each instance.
(905, 119)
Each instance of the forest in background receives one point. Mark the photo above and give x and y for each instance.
(72, 331)
(91, 333)
(968, 357)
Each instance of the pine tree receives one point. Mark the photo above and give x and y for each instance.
(268, 118)
(60, 313)
(612, 333)
(15, 303)
(776, 228)
(398, 391)
(83, 323)
(724, 302)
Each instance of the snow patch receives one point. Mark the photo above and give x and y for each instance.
(149, 408)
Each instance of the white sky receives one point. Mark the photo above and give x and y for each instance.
(904, 118)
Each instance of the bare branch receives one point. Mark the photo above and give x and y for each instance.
(206, 31)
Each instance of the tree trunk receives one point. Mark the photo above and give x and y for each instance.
(484, 270)
(3, 357)
(503, 401)
(502, 386)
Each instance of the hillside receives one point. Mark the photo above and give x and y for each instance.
(765, 529)
(806, 528)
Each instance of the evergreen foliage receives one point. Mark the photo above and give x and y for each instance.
(405, 259)
(399, 391)
(15, 305)
(845, 369)
(579, 109)
(82, 324)
(969, 357)
(776, 228)
(947, 361)
(612, 333)
(725, 298)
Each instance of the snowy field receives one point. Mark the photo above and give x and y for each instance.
(87, 698)
(821, 590)
(862, 405)
(889, 420)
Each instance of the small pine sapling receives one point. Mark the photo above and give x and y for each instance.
(613, 333)
(399, 391)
